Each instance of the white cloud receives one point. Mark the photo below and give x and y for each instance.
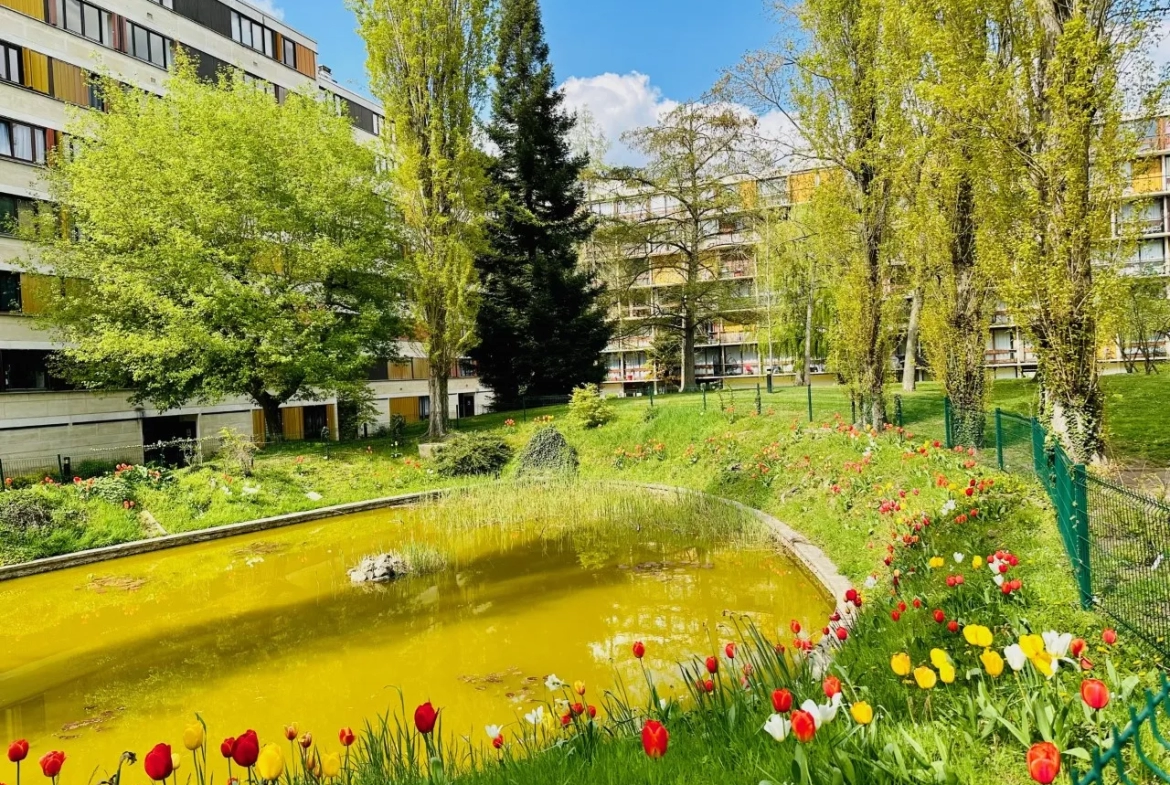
(618, 103)
(269, 7)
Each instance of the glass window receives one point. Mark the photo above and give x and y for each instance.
(235, 26)
(73, 15)
(424, 406)
(290, 53)
(27, 370)
(140, 42)
(22, 142)
(5, 139)
(9, 63)
(268, 45)
(9, 283)
(157, 50)
(91, 22)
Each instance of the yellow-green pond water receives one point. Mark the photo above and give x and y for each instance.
(266, 629)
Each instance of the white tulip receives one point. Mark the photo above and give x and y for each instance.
(1015, 656)
(536, 716)
(494, 730)
(553, 683)
(959, 558)
(1056, 643)
(777, 727)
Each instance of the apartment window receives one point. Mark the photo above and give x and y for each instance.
(13, 209)
(9, 291)
(24, 369)
(289, 56)
(148, 45)
(379, 121)
(379, 372)
(10, 63)
(22, 142)
(424, 406)
(252, 34)
(85, 19)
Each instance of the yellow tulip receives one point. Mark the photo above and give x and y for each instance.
(175, 761)
(862, 713)
(579, 687)
(900, 663)
(270, 764)
(925, 677)
(1044, 663)
(946, 673)
(193, 736)
(331, 765)
(936, 562)
(939, 658)
(977, 562)
(313, 763)
(992, 662)
(977, 635)
(1031, 645)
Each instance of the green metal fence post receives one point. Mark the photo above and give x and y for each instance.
(1, 471)
(947, 423)
(759, 408)
(651, 396)
(898, 410)
(1080, 514)
(809, 388)
(769, 382)
(60, 468)
(1039, 454)
(704, 388)
(999, 438)
(852, 409)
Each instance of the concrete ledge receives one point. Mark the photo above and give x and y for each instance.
(206, 535)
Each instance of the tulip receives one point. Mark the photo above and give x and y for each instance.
(977, 635)
(425, 717)
(591, 710)
(1109, 636)
(655, 737)
(804, 726)
(18, 751)
(1057, 644)
(246, 749)
(639, 649)
(777, 727)
(925, 677)
(1095, 694)
(579, 687)
(729, 650)
(712, 665)
(939, 616)
(900, 664)
(1043, 762)
(270, 763)
(992, 662)
(1077, 646)
(193, 736)
(831, 686)
(862, 713)
(51, 763)
(291, 731)
(176, 761)
(225, 747)
(306, 740)
(331, 765)
(345, 736)
(157, 763)
(842, 633)
(782, 701)
(946, 673)
(794, 625)
(939, 658)
(498, 741)
(708, 686)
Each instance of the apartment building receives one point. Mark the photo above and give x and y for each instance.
(48, 48)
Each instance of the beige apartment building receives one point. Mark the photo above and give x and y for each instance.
(47, 50)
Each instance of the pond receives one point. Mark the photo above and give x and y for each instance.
(262, 630)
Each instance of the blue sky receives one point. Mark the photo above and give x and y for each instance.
(624, 59)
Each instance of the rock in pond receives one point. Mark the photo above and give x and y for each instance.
(379, 569)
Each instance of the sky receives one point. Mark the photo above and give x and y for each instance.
(626, 60)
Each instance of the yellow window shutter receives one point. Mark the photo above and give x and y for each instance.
(331, 420)
(36, 70)
(36, 292)
(69, 83)
(258, 429)
(33, 8)
(293, 419)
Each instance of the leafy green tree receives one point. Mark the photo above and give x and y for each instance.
(680, 221)
(219, 244)
(541, 321)
(428, 64)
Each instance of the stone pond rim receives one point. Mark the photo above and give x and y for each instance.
(810, 558)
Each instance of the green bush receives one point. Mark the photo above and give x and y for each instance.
(547, 452)
(472, 453)
(589, 407)
(93, 468)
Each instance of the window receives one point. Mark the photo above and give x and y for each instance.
(24, 369)
(253, 34)
(13, 209)
(379, 372)
(165, 3)
(149, 46)
(289, 57)
(85, 19)
(379, 120)
(424, 406)
(10, 63)
(9, 290)
(23, 142)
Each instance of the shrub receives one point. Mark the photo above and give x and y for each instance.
(548, 452)
(237, 450)
(93, 467)
(588, 406)
(472, 453)
(25, 510)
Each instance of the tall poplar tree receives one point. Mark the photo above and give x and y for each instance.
(541, 324)
(428, 64)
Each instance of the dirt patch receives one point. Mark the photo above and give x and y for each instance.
(88, 722)
(261, 548)
(104, 583)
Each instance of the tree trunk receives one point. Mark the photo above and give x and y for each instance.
(687, 382)
(273, 416)
(806, 371)
(437, 385)
(1126, 362)
(910, 368)
(964, 377)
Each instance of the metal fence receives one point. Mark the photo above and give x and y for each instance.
(1116, 538)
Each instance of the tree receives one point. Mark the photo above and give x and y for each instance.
(680, 220)
(1139, 320)
(1060, 172)
(219, 244)
(665, 356)
(843, 85)
(541, 323)
(427, 62)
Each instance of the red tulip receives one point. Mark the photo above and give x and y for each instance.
(794, 625)
(1077, 646)
(804, 727)
(290, 732)
(345, 736)
(1109, 636)
(729, 650)
(498, 741)
(895, 615)
(246, 749)
(831, 686)
(1043, 762)
(939, 616)
(655, 738)
(591, 710)
(51, 763)
(18, 751)
(306, 740)
(577, 709)
(566, 720)
(1095, 694)
(953, 626)
(709, 686)
(639, 649)
(842, 633)
(158, 762)
(425, 717)
(851, 595)
(225, 747)
(712, 665)
(782, 701)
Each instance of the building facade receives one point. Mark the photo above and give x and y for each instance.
(48, 48)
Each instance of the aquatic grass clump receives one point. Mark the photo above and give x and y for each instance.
(424, 559)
